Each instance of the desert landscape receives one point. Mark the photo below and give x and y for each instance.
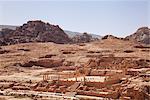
(39, 61)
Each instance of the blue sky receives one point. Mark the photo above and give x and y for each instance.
(117, 17)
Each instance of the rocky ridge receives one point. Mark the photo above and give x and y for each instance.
(141, 35)
(34, 31)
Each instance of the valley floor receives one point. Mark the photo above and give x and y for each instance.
(101, 70)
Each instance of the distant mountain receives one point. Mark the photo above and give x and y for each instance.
(141, 35)
(83, 38)
(72, 34)
(7, 26)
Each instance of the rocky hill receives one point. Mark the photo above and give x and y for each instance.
(71, 34)
(38, 31)
(34, 31)
(141, 35)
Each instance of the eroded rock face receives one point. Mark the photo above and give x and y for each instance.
(4, 33)
(141, 35)
(34, 31)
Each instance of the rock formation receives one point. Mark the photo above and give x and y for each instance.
(109, 37)
(4, 33)
(141, 35)
(34, 31)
